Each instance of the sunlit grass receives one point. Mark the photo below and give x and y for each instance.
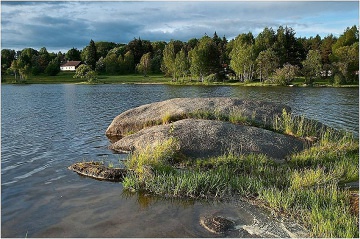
(306, 188)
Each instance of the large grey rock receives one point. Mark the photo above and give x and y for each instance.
(208, 138)
(260, 112)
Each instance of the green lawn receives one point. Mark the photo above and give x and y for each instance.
(131, 79)
(67, 77)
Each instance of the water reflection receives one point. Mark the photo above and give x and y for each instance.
(145, 200)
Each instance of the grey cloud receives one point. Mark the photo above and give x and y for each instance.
(73, 24)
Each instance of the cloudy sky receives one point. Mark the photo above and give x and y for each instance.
(62, 25)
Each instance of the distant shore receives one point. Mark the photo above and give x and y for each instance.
(155, 79)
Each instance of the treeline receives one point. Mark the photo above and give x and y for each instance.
(272, 56)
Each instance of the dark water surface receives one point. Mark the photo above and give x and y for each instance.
(46, 128)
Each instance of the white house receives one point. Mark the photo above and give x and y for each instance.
(70, 66)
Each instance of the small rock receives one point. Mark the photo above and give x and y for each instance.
(99, 171)
(217, 224)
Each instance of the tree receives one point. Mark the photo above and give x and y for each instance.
(347, 62)
(145, 64)
(312, 66)
(7, 57)
(85, 72)
(121, 50)
(158, 48)
(169, 55)
(266, 63)
(204, 58)
(21, 70)
(53, 67)
(191, 44)
(73, 55)
(15, 68)
(182, 64)
(40, 61)
(111, 63)
(349, 37)
(287, 47)
(216, 39)
(103, 47)
(129, 62)
(325, 51)
(89, 55)
(243, 57)
(265, 40)
(139, 47)
(100, 65)
(345, 55)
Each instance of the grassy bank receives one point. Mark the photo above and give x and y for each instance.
(67, 77)
(307, 187)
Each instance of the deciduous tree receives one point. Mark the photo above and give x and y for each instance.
(312, 66)
(243, 57)
(266, 63)
(204, 58)
(145, 64)
(182, 64)
(169, 55)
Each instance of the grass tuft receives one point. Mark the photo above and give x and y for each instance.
(306, 188)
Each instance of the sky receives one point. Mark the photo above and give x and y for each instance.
(62, 25)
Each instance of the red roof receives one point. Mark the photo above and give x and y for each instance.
(72, 63)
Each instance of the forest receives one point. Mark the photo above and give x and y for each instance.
(273, 56)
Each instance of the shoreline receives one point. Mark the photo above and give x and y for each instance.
(179, 84)
(155, 79)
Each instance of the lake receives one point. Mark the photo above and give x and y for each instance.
(46, 128)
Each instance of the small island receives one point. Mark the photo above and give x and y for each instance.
(220, 148)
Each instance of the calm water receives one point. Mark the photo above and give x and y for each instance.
(46, 128)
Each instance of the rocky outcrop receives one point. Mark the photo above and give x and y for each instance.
(258, 112)
(210, 138)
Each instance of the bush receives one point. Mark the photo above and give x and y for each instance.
(339, 79)
(211, 78)
(85, 72)
(285, 75)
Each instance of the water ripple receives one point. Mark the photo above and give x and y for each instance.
(45, 128)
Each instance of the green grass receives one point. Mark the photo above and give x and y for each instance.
(306, 188)
(134, 79)
(62, 77)
(67, 77)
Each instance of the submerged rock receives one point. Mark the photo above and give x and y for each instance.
(99, 171)
(259, 112)
(211, 138)
(216, 224)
